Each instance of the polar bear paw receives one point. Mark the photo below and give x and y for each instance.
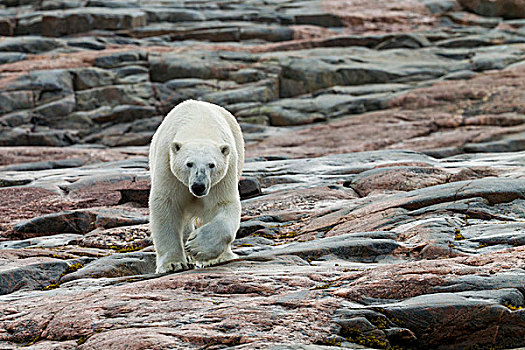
(165, 265)
(203, 245)
(226, 256)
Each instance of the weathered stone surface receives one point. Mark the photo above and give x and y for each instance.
(397, 179)
(29, 44)
(116, 265)
(42, 242)
(480, 116)
(498, 8)
(59, 23)
(249, 187)
(399, 208)
(121, 238)
(346, 247)
(25, 137)
(33, 274)
(114, 96)
(77, 222)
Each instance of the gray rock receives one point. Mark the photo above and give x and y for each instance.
(460, 75)
(61, 4)
(246, 75)
(248, 227)
(440, 6)
(494, 190)
(114, 4)
(87, 43)
(311, 12)
(7, 26)
(116, 265)
(410, 41)
(510, 143)
(28, 24)
(17, 118)
(132, 74)
(483, 282)
(324, 171)
(14, 100)
(511, 234)
(119, 59)
(7, 181)
(78, 221)
(43, 165)
(494, 60)
(33, 276)
(172, 66)
(249, 187)
(173, 15)
(87, 78)
(29, 44)
(301, 75)
(398, 179)
(116, 95)
(25, 137)
(126, 113)
(256, 93)
(480, 40)
(427, 315)
(42, 242)
(504, 296)
(60, 23)
(10, 57)
(466, 18)
(498, 8)
(268, 33)
(347, 247)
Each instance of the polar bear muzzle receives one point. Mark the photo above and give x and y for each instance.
(198, 189)
(199, 184)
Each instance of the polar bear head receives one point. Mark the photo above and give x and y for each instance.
(199, 165)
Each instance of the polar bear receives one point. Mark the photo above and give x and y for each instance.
(196, 158)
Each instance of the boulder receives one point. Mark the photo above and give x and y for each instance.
(79, 20)
(496, 8)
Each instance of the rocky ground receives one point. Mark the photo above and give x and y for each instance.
(383, 192)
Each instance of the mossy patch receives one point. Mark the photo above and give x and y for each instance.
(265, 234)
(379, 322)
(82, 339)
(33, 341)
(128, 249)
(73, 268)
(512, 307)
(325, 285)
(321, 286)
(70, 269)
(332, 340)
(457, 235)
(290, 234)
(369, 340)
(51, 286)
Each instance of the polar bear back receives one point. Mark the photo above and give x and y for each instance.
(197, 120)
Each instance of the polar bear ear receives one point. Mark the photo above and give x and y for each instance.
(176, 146)
(225, 150)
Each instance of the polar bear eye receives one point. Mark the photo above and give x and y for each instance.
(189, 164)
(211, 165)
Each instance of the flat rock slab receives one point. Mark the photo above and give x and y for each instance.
(60, 23)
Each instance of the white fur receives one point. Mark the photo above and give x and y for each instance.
(192, 137)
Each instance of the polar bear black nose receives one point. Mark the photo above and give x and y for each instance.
(198, 188)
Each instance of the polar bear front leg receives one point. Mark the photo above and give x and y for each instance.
(211, 243)
(167, 234)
